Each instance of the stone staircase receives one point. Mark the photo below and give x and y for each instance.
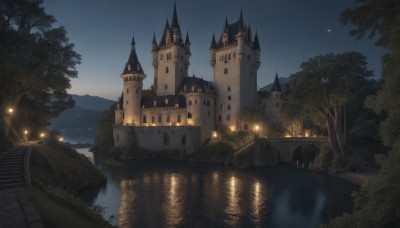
(12, 171)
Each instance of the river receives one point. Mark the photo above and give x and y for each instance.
(159, 193)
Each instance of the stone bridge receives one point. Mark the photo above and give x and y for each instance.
(294, 148)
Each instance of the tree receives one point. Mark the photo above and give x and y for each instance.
(321, 89)
(36, 64)
(382, 19)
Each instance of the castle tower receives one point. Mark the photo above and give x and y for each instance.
(170, 58)
(235, 59)
(133, 84)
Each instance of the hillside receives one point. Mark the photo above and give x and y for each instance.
(80, 123)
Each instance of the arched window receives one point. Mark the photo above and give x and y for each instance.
(229, 107)
(144, 119)
(166, 70)
(127, 90)
(189, 115)
(166, 139)
(183, 139)
(190, 102)
(208, 103)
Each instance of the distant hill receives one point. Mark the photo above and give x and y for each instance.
(80, 123)
(283, 81)
(92, 102)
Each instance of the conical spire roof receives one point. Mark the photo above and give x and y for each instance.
(133, 66)
(241, 22)
(256, 43)
(213, 43)
(175, 23)
(187, 40)
(276, 87)
(154, 39)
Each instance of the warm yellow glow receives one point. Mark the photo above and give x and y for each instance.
(153, 125)
(177, 124)
(26, 132)
(307, 134)
(190, 122)
(287, 136)
(61, 139)
(10, 110)
(214, 134)
(232, 128)
(257, 127)
(42, 135)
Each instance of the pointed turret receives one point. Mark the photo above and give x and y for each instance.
(133, 66)
(187, 40)
(256, 43)
(175, 23)
(213, 43)
(241, 23)
(154, 42)
(133, 43)
(276, 87)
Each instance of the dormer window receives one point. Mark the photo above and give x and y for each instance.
(166, 101)
(129, 67)
(155, 103)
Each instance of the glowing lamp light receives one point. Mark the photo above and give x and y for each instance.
(232, 128)
(257, 127)
(26, 132)
(10, 110)
(42, 135)
(61, 139)
(214, 135)
(287, 136)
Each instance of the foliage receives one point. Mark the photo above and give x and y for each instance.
(321, 89)
(104, 143)
(55, 164)
(323, 160)
(378, 203)
(58, 208)
(36, 64)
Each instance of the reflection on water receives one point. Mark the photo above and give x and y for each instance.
(173, 205)
(232, 209)
(157, 193)
(126, 210)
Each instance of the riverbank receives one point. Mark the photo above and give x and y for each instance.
(58, 172)
(356, 177)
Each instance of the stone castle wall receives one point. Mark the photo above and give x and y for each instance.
(158, 138)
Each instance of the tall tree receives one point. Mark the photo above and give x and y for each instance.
(321, 89)
(36, 64)
(378, 203)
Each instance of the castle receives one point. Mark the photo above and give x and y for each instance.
(186, 109)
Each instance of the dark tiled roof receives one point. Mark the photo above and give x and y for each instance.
(187, 41)
(232, 30)
(256, 43)
(196, 85)
(133, 65)
(276, 87)
(175, 23)
(213, 43)
(163, 101)
(170, 28)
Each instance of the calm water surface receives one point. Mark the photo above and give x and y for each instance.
(159, 193)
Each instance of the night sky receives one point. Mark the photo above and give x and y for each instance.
(290, 32)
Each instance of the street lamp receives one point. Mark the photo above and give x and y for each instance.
(26, 135)
(10, 111)
(42, 135)
(257, 127)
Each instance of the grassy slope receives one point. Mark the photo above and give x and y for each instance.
(56, 164)
(55, 170)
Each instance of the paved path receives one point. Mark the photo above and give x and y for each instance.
(16, 210)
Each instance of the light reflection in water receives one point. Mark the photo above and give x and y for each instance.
(127, 198)
(232, 209)
(258, 201)
(173, 206)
